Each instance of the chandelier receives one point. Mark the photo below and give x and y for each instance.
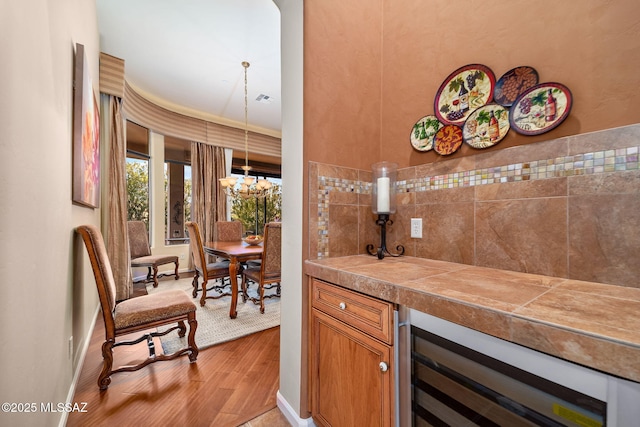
(247, 187)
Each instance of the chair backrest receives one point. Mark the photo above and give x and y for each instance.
(197, 249)
(138, 239)
(101, 267)
(271, 255)
(228, 231)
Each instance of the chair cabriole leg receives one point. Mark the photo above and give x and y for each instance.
(107, 355)
(193, 325)
(203, 298)
(194, 284)
(182, 329)
(155, 276)
(261, 286)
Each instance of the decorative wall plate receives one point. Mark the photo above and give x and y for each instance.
(423, 131)
(486, 126)
(465, 89)
(513, 83)
(540, 108)
(447, 140)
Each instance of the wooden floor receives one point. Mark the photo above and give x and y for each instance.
(229, 385)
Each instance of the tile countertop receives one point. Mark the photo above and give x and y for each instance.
(592, 324)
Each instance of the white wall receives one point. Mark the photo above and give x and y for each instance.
(292, 207)
(41, 305)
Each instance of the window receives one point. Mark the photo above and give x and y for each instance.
(177, 186)
(137, 173)
(177, 174)
(255, 213)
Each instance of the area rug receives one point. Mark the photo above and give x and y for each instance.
(214, 324)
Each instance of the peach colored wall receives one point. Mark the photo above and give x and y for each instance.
(342, 81)
(592, 47)
(372, 67)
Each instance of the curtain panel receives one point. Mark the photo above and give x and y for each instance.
(208, 201)
(118, 236)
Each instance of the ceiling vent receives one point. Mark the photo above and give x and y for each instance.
(265, 99)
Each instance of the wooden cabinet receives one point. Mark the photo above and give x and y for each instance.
(352, 366)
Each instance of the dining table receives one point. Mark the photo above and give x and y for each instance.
(236, 252)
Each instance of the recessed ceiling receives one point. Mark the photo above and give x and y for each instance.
(186, 55)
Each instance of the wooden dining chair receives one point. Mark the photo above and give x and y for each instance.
(139, 314)
(268, 273)
(216, 271)
(141, 255)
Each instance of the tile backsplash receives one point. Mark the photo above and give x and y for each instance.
(568, 207)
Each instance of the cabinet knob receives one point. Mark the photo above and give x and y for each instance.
(384, 367)
(342, 306)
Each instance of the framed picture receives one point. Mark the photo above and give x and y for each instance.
(86, 136)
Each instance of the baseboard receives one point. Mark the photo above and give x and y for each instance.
(291, 415)
(76, 374)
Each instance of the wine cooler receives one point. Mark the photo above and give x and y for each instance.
(460, 377)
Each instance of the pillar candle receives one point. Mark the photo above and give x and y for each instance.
(383, 195)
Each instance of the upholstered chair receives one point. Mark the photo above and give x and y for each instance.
(228, 231)
(141, 253)
(268, 273)
(208, 271)
(138, 314)
(231, 231)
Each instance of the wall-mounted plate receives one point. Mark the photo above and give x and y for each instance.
(465, 89)
(513, 83)
(423, 131)
(486, 126)
(447, 140)
(540, 108)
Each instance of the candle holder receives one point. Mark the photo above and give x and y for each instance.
(383, 203)
(382, 221)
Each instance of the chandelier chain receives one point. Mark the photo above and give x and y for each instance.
(249, 187)
(246, 119)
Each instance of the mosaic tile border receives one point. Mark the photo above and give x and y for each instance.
(597, 162)
(619, 160)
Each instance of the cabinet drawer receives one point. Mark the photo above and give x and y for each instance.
(370, 315)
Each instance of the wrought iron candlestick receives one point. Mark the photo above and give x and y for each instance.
(383, 220)
(383, 203)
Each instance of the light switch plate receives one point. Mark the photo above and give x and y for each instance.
(416, 228)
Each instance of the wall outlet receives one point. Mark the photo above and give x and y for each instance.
(182, 257)
(416, 228)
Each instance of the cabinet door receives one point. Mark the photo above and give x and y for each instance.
(349, 386)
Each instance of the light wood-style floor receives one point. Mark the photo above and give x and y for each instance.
(231, 384)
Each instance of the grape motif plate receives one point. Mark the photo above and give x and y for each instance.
(540, 108)
(465, 89)
(513, 83)
(479, 131)
(447, 140)
(423, 131)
